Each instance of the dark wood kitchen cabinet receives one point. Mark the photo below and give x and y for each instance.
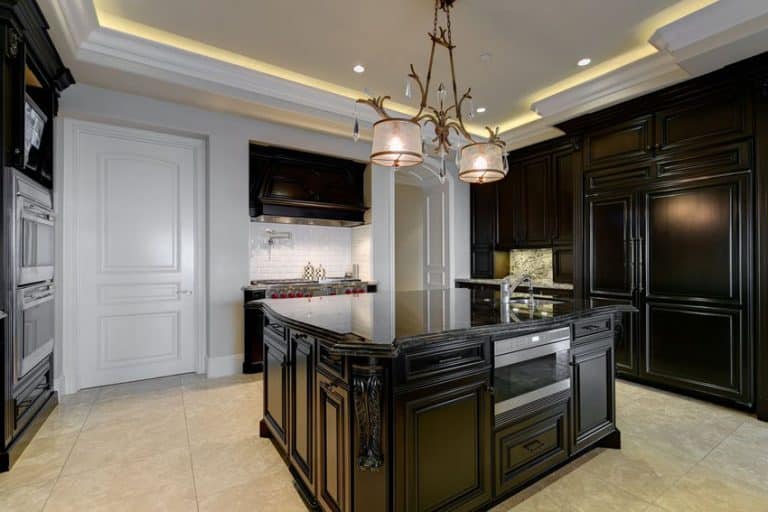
(593, 393)
(486, 260)
(302, 410)
(333, 490)
(439, 468)
(276, 385)
(532, 217)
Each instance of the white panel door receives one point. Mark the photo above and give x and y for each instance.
(135, 247)
(436, 237)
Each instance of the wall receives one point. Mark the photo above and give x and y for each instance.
(409, 238)
(330, 247)
(227, 139)
(361, 251)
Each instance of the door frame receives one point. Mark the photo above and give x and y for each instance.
(67, 281)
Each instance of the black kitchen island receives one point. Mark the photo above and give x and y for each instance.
(434, 400)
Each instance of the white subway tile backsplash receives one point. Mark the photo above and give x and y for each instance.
(361, 250)
(327, 246)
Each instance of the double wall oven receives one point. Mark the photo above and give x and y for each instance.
(29, 241)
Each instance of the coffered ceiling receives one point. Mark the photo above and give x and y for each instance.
(293, 59)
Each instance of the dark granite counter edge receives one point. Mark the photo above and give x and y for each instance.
(352, 345)
(3, 315)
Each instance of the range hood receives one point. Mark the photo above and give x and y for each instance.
(294, 187)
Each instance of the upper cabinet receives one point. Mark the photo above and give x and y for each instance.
(535, 200)
(33, 76)
(305, 188)
(619, 143)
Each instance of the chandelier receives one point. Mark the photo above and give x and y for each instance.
(397, 141)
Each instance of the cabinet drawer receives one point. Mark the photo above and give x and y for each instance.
(526, 450)
(274, 331)
(33, 391)
(331, 364)
(446, 362)
(591, 326)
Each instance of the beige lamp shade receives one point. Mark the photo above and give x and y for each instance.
(482, 162)
(396, 143)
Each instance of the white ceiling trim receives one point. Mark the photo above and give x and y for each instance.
(689, 46)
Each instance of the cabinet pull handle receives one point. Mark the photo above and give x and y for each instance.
(640, 264)
(533, 445)
(632, 266)
(490, 389)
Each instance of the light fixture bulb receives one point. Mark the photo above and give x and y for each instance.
(359, 68)
(586, 61)
(480, 110)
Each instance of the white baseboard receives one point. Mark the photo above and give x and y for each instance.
(225, 365)
(60, 385)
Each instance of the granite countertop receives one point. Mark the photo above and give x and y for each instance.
(538, 283)
(3, 315)
(380, 323)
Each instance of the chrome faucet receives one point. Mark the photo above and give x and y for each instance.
(510, 283)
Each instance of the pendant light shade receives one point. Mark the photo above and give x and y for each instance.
(482, 162)
(397, 143)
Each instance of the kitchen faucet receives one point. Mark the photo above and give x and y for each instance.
(511, 282)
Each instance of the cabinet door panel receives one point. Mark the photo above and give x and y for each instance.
(719, 116)
(627, 141)
(594, 412)
(697, 348)
(443, 468)
(562, 184)
(610, 232)
(509, 207)
(302, 372)
(333, 479)
(535, 219)
(625, 344)
(276, 391)
(562, 264)
(483, 206)
(694, 241)
(482, 262)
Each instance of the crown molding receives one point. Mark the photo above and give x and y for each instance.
(722, 33)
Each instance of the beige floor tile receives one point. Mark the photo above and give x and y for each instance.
(145, 388)
(704, 490)
(132, 408)
(223, 421)
(641, 470)
(27, 498)
(163, 482)
(126, 442)
(533, 498)
(41, 462)
(742, 461)
(64, 419)
(266, 494)
(84, 396)
(583, 491)
(220, 466)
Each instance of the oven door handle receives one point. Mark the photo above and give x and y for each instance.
(41, 217)
(37, 300)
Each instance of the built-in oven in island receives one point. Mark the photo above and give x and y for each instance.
(531, 368)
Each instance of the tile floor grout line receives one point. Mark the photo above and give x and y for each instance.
(189, 447)
(71, 449)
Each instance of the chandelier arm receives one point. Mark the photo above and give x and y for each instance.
(377, 104)
(422, 91)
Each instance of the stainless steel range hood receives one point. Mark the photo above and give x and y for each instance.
(293, 187)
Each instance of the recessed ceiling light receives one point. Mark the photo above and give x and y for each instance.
(359, 68)
(480, 110)
(586, 61)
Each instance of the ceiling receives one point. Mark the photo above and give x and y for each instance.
(533, 43)
(291, 60)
